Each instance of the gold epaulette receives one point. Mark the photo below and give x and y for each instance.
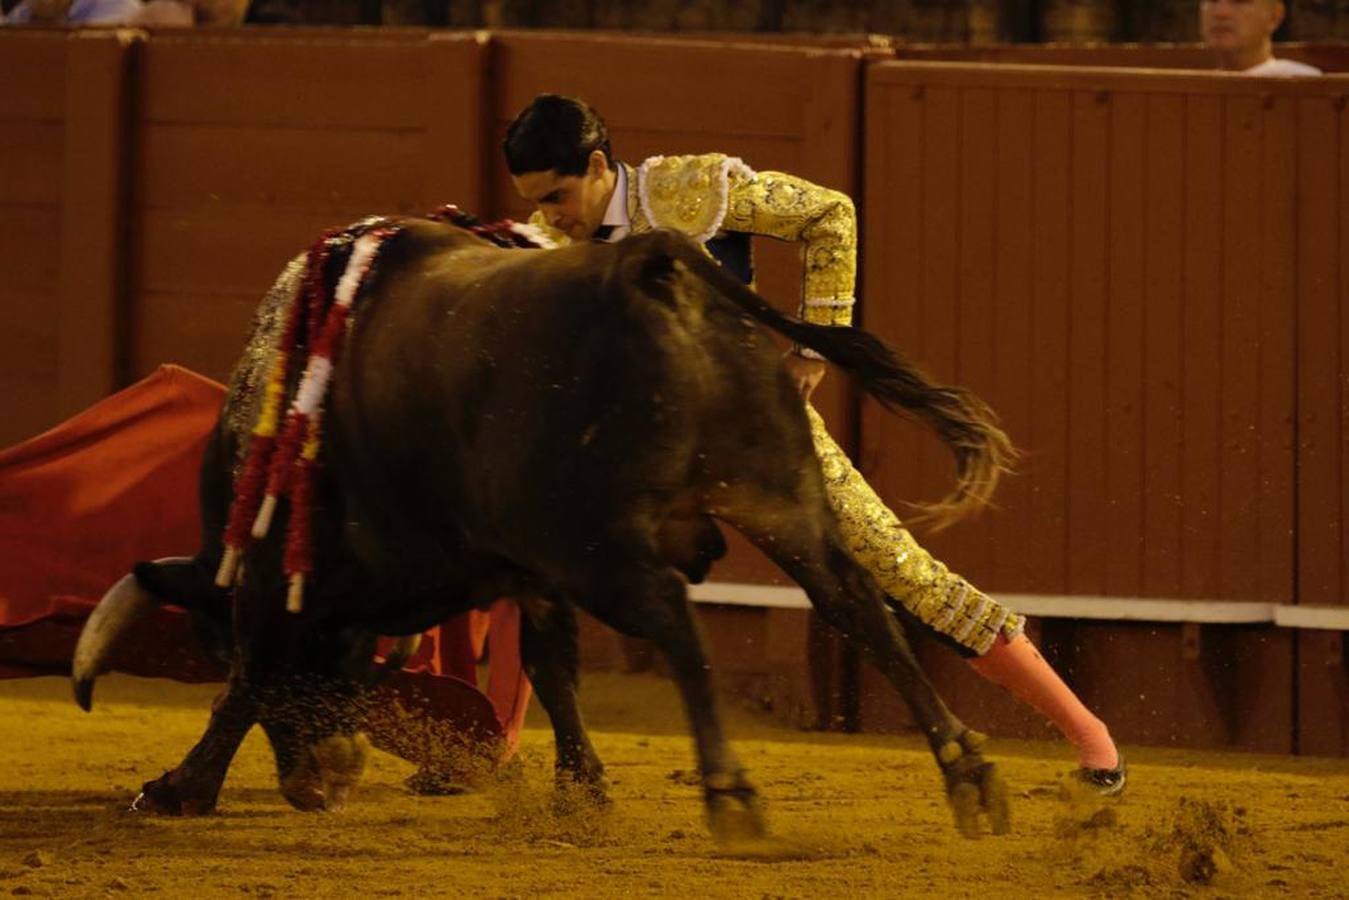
(688, 193)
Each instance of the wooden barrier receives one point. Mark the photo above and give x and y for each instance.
(1119, 263)
(1328, 58)
(63, 135)
(249, 144)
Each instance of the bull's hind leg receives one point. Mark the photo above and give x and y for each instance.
(644, 597)
(548, 646)
(807, 546)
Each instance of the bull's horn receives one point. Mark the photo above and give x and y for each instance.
(124, 603)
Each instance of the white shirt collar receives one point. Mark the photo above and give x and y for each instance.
(616, 213)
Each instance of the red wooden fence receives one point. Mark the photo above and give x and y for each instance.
(249, 144)
(1139, 271)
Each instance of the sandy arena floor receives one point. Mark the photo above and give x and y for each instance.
(852, 815)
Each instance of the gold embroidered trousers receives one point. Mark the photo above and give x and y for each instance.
(878, 541)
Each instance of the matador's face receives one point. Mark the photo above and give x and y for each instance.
(573, 204)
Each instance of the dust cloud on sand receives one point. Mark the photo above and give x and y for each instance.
(851, 815)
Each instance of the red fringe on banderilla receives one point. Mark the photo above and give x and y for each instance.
(284, 456)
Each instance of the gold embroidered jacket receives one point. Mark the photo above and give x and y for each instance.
(711, 194)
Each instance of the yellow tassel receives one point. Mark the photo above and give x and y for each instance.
(312, 440)
(295, 596)
(272, 396)
(264, 520)
(229, 565)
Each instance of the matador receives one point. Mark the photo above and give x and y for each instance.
(560, 160)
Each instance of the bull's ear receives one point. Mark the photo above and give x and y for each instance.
(649, 267)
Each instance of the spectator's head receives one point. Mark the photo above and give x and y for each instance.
(48, 11)
(1240, 31)
(557, 150)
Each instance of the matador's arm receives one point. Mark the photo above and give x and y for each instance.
(823, 221)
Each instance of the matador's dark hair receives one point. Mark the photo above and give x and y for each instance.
(555, 133)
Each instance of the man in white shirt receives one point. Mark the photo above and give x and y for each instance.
(1241, 33)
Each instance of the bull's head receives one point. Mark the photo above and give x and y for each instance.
(312, 721)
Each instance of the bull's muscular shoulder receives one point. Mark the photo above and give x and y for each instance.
(688, 193)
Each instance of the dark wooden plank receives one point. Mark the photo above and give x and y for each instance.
(1011, 203)
(1322, 693)
(776, 78)
(1329, 57)
(1092, 80)
(1047, 465)
(1239, 552)
(1089, 549)
(197, 167)
(33, 70)
(30, 410)
(203, 331)
(455, 104)
(1320, 522)
(1164, 347)
(1237, 695)
(977, 337)
(1124, 345)
(354, 81)
(30, 333)
(935, 296)
(94, 236)
(829, 151)
(894, 195)
(28, 366)
(232, 249)
(32, 154)
(30, 250)
(1277, 319)
(1344, 351)
(1201, 457)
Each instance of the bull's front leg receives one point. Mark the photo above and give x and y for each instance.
(653, 603)
(193, 787)
(312, 706)
(549, 649)
(320, 751)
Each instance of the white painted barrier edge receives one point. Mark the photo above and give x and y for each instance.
(1114, 609)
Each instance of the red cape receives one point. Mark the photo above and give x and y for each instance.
(116, 484)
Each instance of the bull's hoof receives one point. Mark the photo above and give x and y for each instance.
(326, 774)
(734, 815)
(578, 796)
(162, 797)
(303, 789)
(973, 787)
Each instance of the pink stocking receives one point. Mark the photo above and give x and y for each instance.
(1019, 668)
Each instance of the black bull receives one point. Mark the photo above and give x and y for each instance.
(563, 427)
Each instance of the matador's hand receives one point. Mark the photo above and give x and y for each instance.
(806, 373)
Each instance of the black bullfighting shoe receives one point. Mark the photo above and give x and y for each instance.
(1106, 782)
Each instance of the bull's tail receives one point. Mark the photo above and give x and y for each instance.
(982, 450)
